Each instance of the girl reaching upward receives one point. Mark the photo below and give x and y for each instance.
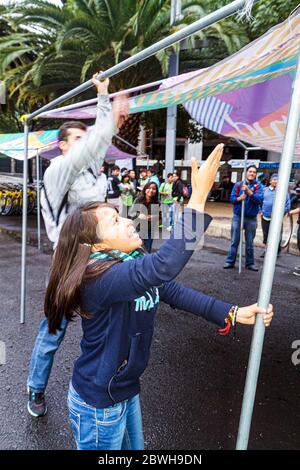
(101, 273)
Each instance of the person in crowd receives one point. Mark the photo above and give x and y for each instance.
(142, 179)
(265, 181)
(226, 188)
(127, 194)
(153, 178)
(177, 194)
(215, 193)
(267, 208)
(132, 179)
(70, 180)
(166, 197)
(145, 211)
(124, 171)
(101, 273)
(251, 192)
(160, 178)
(113, 188)
(296, 271)
(294, 193)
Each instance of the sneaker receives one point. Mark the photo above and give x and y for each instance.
(296, 273)
(252, 268)
(36, 405)
(297, 268)
(169, 228)
(228, 266)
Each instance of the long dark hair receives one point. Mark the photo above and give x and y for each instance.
(71, 266)
(142, 197)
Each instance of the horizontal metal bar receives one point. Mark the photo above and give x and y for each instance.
(94, 100)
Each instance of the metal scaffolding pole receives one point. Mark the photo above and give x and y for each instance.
(243, 213)
(270, 261)
(131, 146)
(170, 150)
(38, 199)
(24, 225)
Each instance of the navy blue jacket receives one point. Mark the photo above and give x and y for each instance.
(123, 302)
(252, 203)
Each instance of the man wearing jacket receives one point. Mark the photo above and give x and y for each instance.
(252, 193)
(69, 181)
(177, 195)
(267, 208)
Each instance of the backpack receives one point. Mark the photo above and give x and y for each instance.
(64, 203)
(187, 191)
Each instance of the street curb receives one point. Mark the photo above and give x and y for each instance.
(31, 239)
(218, 230)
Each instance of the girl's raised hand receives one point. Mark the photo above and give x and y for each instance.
(204, 177)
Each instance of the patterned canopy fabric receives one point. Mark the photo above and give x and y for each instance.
(12, 145)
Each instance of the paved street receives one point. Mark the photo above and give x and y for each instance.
(192, 389)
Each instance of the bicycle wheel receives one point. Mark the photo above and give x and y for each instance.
(30, 204)
(2, 204)
(7, 207)
(287, 231)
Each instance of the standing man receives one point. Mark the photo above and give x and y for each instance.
(69, 181)
(142, 179)
(177, 194)
(267, 208)
(133, 180)
(252, 193)
(165, 191)
(113, 188)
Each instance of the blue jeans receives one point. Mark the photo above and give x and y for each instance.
(166, 214)
(250, 224)
(42, 356)
(174, 213)
(118, 427)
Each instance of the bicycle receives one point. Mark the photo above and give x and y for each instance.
(11, 199)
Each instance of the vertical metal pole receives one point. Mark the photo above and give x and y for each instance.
(242, 214)
(201, 145)
(24, 225)
(172, 110)
(38, 208)
(270, 261)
